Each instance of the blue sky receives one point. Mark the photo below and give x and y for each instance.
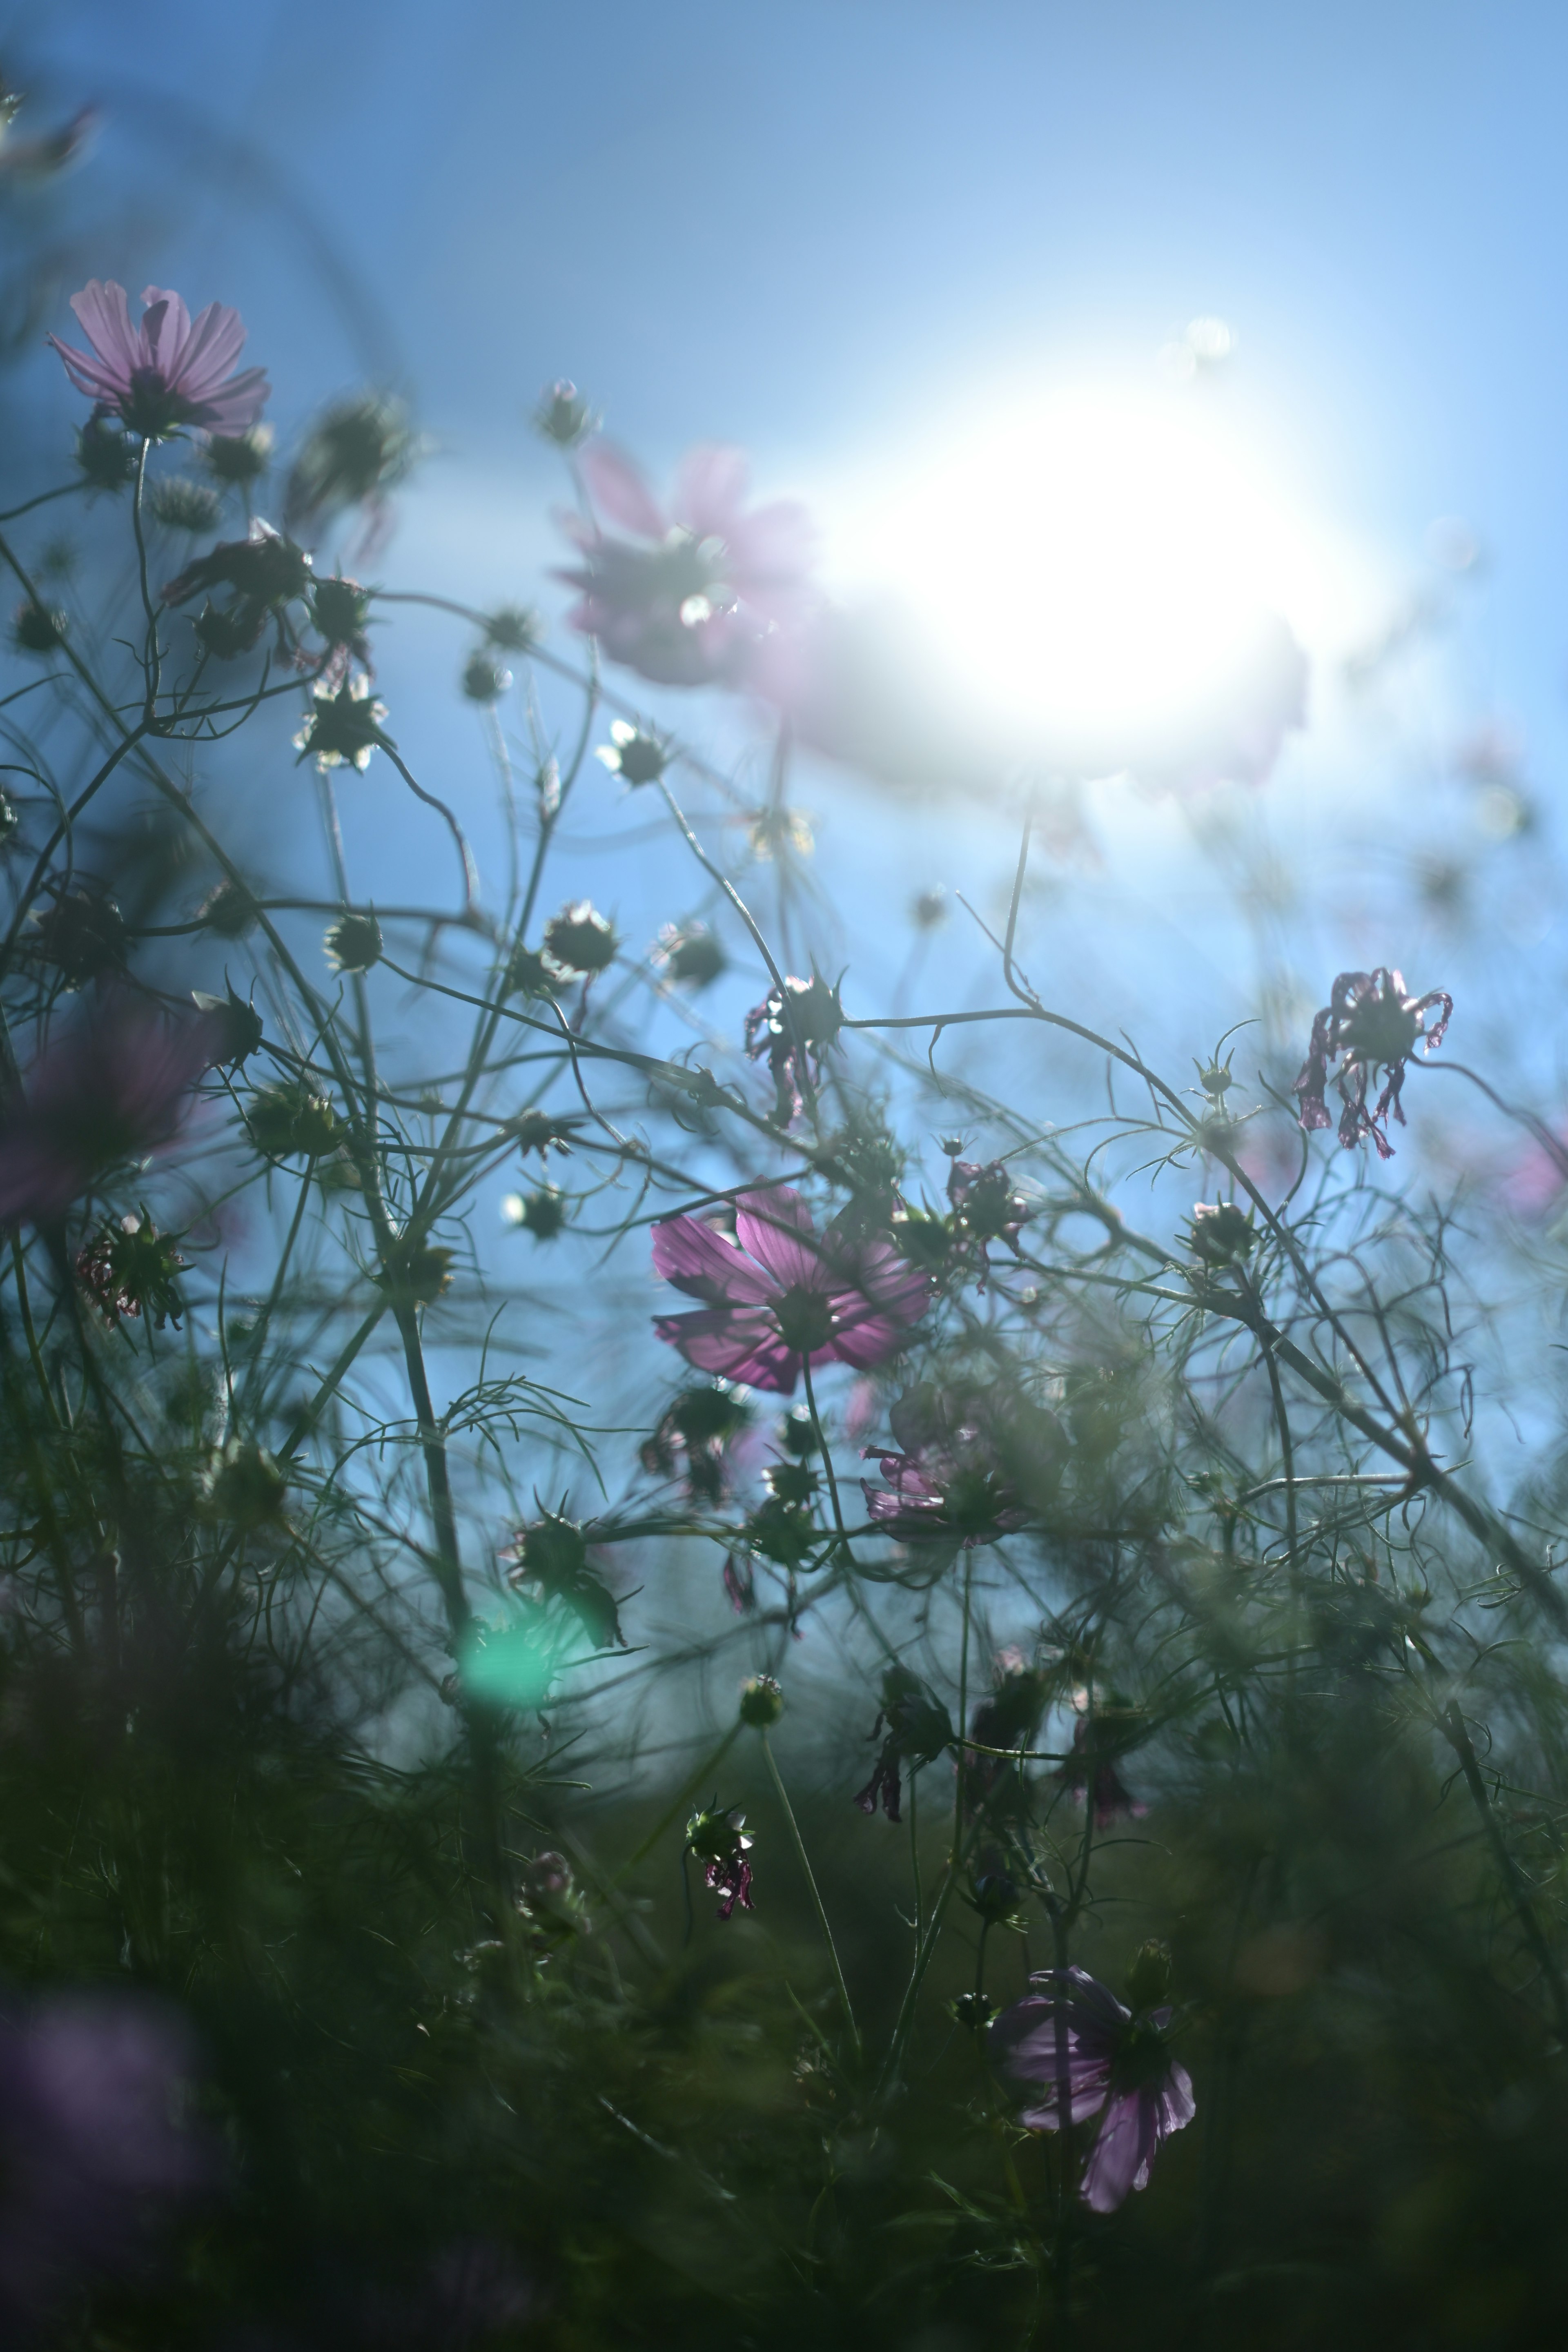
(821, 230)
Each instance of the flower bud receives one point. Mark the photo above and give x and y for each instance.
(354, 943)
(562, 414)
(237, 459)
(105, 456)
(484, 680)
(243, 1484)
(541, 1213)
(1149, 1977)
(761, 1702)
(514, 629)
(37, 628)
(691, 955)
(579, 939)
(291, 1117)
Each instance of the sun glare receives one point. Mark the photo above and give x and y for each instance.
(1097, 560)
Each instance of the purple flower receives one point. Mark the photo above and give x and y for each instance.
(986, 1207)
(169, 371)
(784, 1294)
(91, 2142)
(1116, 2058)
(948, 1485)
(719, 1840)
(1370, 1021)
(1090, 1764)
(695, 589)
(110, 1086)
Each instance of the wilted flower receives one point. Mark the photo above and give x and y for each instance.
(263, 571)
(354, 943)
(339, 614)
(794, 1027)
(986, 1207)
(356, 453)
(1097, 1740)
(128, 1268)
(694, 1433)
(686, 599)
(1007, 1718)
(689, 953)
(579, 939)
(919, 1730)
(342, 727)
(551, 1562)
(108, 1087)
(93, 2150)
(537, 1130)
(1118, 2059)
(784, 1294)
(719, 1840)
(1373, 1024)
(636, 757)
(169, 371)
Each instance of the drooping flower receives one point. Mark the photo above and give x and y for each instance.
(719, 1840)
(262, 572)
(551, 1562)
(794, 1027)
(110, 1086)
(1007, 1718)
(918, 1730)
(1117, 2059)
(987, 1206)
(694, 1436)
(93, 2154)
(785, 1295)
(1374, 1024)
(1097, 1741)
(687, 598)
(950, 1483)
(169, 371)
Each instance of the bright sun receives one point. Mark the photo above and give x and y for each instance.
(1095, 562)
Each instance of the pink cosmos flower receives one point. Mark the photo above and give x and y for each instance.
(784, 1294)
(688, 597)
(110, 1086)
(167, 372)
(1116, 2059)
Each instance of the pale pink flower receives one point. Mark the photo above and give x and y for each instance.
(170, 370)
(687, 598)
(1115, 2059)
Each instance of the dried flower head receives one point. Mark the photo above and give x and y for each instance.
(794, 1027)
(237, 459)
(1369, 1023)
(353, 456)
(37, 628)
(541, 1214)
(292, 1117)
(513, 629)
(718, 1839)
(485, 679)
(551, 1562)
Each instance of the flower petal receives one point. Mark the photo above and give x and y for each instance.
(775, 1225)
(709, 490)
(105, 317)
(743, 1346)
(700, 1262)
(618, 489)
(1123, 2154)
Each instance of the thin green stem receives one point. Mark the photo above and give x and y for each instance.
(821, 1908)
